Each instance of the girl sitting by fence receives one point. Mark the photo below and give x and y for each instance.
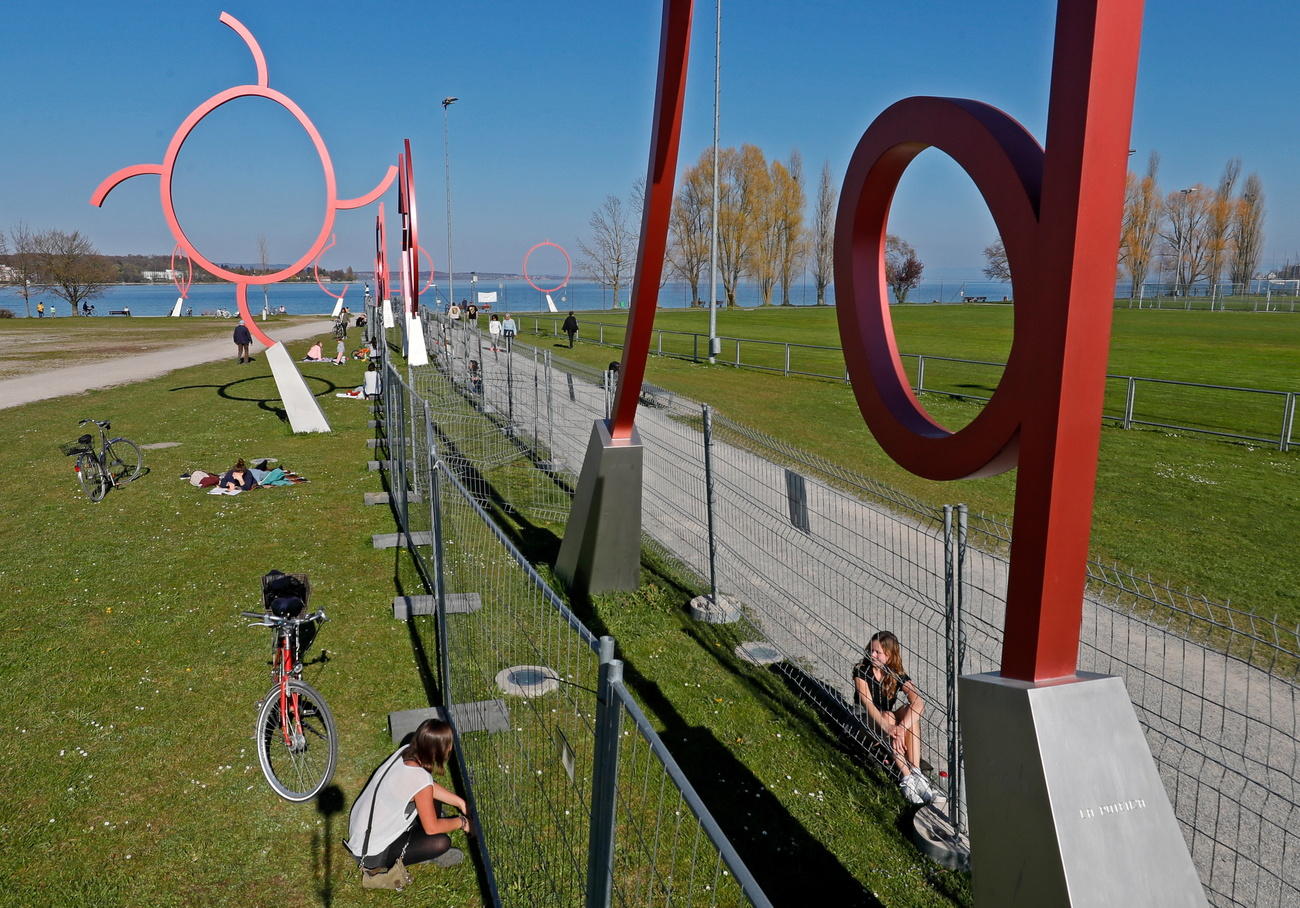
(879, 679)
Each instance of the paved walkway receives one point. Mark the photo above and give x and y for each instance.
(15, 392)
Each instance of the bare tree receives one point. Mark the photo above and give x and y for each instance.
(1187, 211)
(609, 252)
(902, 267)
(689, 227)
(823, 234)
(1218, 226)
(996, 267)
(25, 262)
(1247, 231)
(765, 252)
(1143, 212)
(72, 267)
(792, 247)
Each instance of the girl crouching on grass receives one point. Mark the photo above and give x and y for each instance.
(396, 819)
(879, 678)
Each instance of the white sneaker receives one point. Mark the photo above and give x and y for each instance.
(910, 791)
(921, 785)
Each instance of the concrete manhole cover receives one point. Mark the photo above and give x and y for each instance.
(759, 653)
(528, 680)
(154, 446)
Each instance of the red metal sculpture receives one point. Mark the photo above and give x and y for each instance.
(166, 170)
(568, 267)
(674, 47)
(406, 206)
(1058, 211)
(315, 271)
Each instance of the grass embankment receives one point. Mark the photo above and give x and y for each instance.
(1194, 511)
(132, 683)
(27, 344)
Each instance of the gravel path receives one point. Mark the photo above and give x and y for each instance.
(15, 392)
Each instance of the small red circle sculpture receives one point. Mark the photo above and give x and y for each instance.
(568, 264)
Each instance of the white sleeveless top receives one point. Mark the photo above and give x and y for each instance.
(394, 809)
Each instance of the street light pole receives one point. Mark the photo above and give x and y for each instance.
(446, 160)
(1182, 239)
(713, 237)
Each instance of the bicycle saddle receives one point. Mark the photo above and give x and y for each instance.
(287, 606)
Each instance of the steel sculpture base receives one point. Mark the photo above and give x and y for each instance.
(601, 551)
(300, 405)
(388, 313)
(417, 351)
(1066, 806)
(176, 310)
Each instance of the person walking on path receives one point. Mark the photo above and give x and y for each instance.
(40, 309)
(508, 331)
(571, 328)
(494, 332)
(243, 338)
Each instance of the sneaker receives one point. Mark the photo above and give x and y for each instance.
(910, 791)
(921, 785)
(449, 858)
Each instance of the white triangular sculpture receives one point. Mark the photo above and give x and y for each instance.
(299, 404)
(338, 307)
(388, 313)
(176, 310)
(417, 351)
(551, 303)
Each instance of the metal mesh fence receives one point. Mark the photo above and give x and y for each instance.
(519, 671)
(819, 557)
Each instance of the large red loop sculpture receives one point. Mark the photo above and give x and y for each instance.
(166, 171)
(568, 267)
(1059, 213)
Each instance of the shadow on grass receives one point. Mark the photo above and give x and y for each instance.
(263, 403)
(329, 804)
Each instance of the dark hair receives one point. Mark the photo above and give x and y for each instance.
(239, 466)
(430, 745)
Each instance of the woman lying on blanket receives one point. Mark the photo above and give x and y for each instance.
(879, 680)
(239, 477)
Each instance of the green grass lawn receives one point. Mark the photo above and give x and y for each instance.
(1214, 517)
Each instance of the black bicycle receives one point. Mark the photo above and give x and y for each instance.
(116, 462)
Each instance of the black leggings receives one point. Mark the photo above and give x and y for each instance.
(415, 846)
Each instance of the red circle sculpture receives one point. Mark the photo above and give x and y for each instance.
(1006, 164)
(166, 171)
(568, 265)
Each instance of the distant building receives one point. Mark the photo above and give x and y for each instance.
(170, 274)
(7, 274)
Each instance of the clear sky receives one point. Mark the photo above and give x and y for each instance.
(554, 111)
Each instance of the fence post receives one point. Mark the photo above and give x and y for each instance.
(1129, 396)
(737, 351)
(920, 372)
(956, 803)
(602, 335)
(439, 580)
(695, 348)
(787, 359)
(604, 781)
(550, 412)
(1288, 422)
(709, 502)
(950, 581)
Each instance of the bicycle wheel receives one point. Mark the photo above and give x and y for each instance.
(123, 459)
(93, 481)
(297, 751)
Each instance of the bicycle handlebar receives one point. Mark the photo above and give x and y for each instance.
(102, 425)
(269, 620)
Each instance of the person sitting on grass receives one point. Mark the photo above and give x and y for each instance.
(314, 354)
(879, 679)
(397, 818)
(239, 477)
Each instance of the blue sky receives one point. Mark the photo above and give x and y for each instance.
(555, 106)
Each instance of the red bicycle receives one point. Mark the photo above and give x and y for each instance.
(297, 743)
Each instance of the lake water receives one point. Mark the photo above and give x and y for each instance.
(516, 295)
